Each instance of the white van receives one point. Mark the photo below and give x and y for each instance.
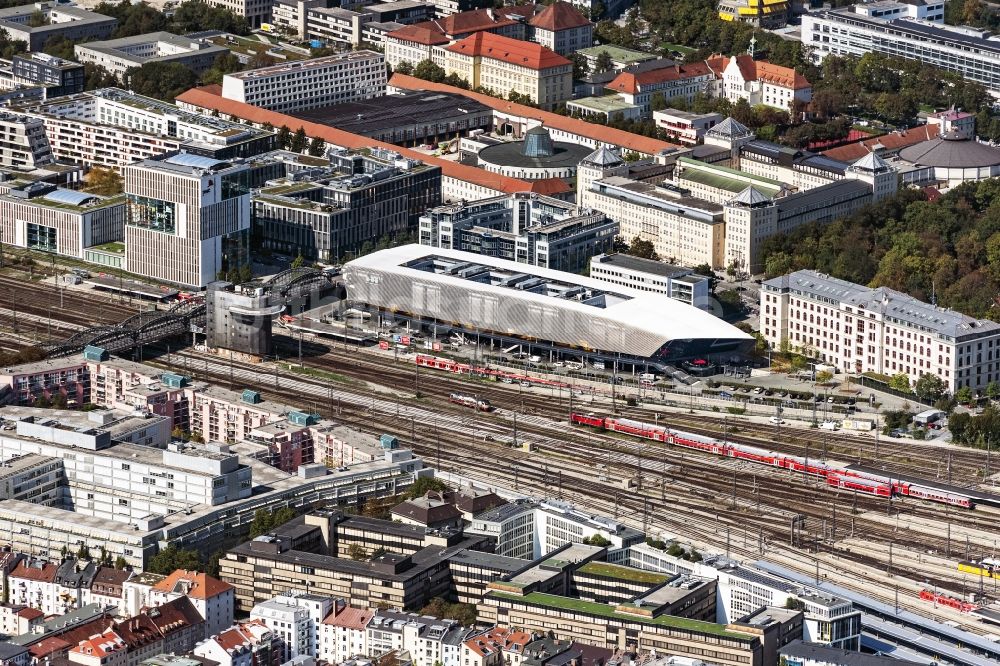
(829, 425)
(648, 376)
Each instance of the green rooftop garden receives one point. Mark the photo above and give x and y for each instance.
(114, 247)
(110, 201)
(287, 188)
(619, 572)
(603, 610)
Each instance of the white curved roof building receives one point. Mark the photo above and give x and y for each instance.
(527, 303)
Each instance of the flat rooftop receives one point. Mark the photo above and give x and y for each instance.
(617, 53)
(24, 512)
(640, 265)
(623, 573)
(603, 104)
(306, 65)
(370, 117)
(124, 47)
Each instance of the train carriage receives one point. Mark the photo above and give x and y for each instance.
(587, 420)
(637, 428)
(935, 495)
(866, 486)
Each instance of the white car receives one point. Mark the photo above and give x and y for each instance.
(777, 420)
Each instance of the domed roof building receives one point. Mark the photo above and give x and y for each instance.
(950, 159)
(535, 158)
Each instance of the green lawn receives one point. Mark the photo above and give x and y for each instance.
(623, 573)
(677, 47)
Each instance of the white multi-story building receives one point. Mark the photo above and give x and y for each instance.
(344, 633)
(429, 640)
(902, 33)
(760, 82)
(255, 11)
(122, 54)
(24, 144)
(211, 597)
(655, 276)
(513, 527)
(684, 126)
(307, 84)
(558, 523)
(862, 329)
(32, 583)
(245, 644)
(113, 127)
(293, 623)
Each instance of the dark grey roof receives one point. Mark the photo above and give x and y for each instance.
(650, 266)
(370, 117)
(11, 651)
(489, 561)
(949, 152)
(831, 655)
(822, 196)
(510, 154)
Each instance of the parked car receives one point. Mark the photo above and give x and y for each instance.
(777, 420)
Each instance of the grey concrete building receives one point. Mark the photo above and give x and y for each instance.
(119, 55)
(69, 21)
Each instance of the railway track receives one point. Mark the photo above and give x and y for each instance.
(701, 513)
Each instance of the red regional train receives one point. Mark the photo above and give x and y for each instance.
(862, 482)
(448, 365)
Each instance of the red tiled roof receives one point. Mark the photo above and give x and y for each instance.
(350, 618)
(892, 142)
(426, 33)
(476, 20)
(933, 193)
(193, 584)
(512, 51)
(762, 70)
(498, 639)
(601, 133)
(559, 16)
(241, 634)
(100, 645)
(45, 573)
(30, 614)
(210, 97)
(629, 83)
(48, 646)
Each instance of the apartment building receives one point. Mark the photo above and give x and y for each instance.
(677, 282)
(61, 20)
(60, 77)
(307, 84)
(527, 228)
(32, 583)
(189, 218)
(113, 127)
(42, 216)
(344, 633)
(291, 623)
(23, 143)
(428, 640)
(897, 29)
(860, 329)
(355, 199)
(211, 597)
(122, 54)
(249, 643)
(504, 64)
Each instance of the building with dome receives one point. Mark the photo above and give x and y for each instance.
(949, 160)
(536, 157)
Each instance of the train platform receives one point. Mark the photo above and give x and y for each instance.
(315, 322)
(901, 627)
(134, 288)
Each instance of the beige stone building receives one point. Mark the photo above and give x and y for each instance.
(507, 65)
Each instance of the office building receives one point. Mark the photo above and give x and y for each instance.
(23, 143)
(802, 653)
(307, 84)
(510, 526)
(256, 12)
(356, 199)
(859, 329)
(60, 77)
(504, 64)
(41, 216)
(676, 282)
(686, 127)
(119, 55)
(66, 21)
(188, 219)
(526, 228)
(112, 127)
(766, 14)
(969, 52)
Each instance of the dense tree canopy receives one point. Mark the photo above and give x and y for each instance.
(949, 249)
(162, 80)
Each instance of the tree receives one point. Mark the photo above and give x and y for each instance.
(95, 77)
(299, 261)
(357, 552)
(59, 46)
(37, 19)
(929, 387)
(580, 66)
(299, 141)
(405, 67)
(823, 376)
(134, 19)
(428, 70)
(172, 558)
(261, 524)
(246, 274)
(993, 390)
(284, 137)
(900, 382)
(83, 552)
(162, 80)
(423, 485)
(642, 248)
(317, 147)
(658, 102)
(597, 540)
(963, 395)
(121, 563)
(104, 181)
(958, 424)
(604, 62)
(222, 65)
(261, 59)
(197, 15)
